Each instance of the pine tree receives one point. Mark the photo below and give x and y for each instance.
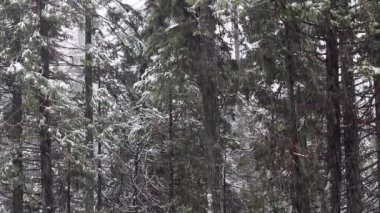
(333, 113)
(88, 75)
(300, 195)
(189, 106)
(374, 60)
(351, 137)
(15, 119)
(44, 110)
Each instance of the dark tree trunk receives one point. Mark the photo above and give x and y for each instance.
(45, 104)
(15, 129)
(16, 134)
(374, 57)
(235, 22)
(350, 136)
(99, 184)
(68, 179)
(136, 180)
(89, 113)
(300, 195)
(171, 154)
(377, 108)
(333, 114)
(212, 146)
(206, 80)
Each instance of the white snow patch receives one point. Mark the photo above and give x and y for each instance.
(15, 68)
(172, 25)
(376, 70)
(209, 203)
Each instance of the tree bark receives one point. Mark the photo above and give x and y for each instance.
(171, 154)
(68, 179)
(15, 128)
(45, 104)
(89, 113)
(350, 136)
(300, 195)
(374, 58)
(235, 22)
(135, 182)
(333, 114)
(99, 184)
(16, 137)
(208, 88)
(377, 109)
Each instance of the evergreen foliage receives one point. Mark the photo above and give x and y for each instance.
(189, 106)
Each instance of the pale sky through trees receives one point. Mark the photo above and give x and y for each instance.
(138, 4)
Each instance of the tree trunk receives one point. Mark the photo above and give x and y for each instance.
(45, 104)
(334, 152)
(374, 58)
(99, 184)
(300, 194)
(15, 130)
(350, 136)
(235, 22)
(171, 154)
(88, 79)
(207, 85)
(68, 179)
(16, 137)
(212, 146)
(135, 181)
(377, 108)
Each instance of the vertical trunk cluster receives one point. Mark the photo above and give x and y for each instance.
(300, 194)
(333, 113)
(208, 88)
(44, 105)
(341, 95)
(89, 113)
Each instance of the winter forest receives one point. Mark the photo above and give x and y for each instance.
(180, 106)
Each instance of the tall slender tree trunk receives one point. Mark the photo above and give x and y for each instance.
(16, 137)
(374, 54)
(99, 184)
(45, 103)
(171, 154)
(333, 114)
(89, 113)
(350, 136)
(235, 22)
(377, 109)
(300, 194)
(135, 179)
(15, 130)
(68, 180)
(212, 146)
(208, 88)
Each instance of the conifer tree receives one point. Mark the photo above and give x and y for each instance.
(13, 11)
(189, 106)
